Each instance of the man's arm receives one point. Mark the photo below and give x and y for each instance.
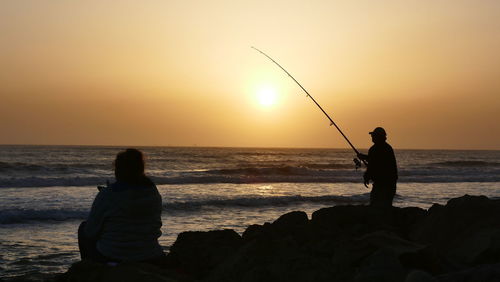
(366, 175)
(362, 157)
(96, 215)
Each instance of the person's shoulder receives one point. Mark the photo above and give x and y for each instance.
(380, 148)
(387, 147)
(103, 196)
(105, 188)
(372, 148)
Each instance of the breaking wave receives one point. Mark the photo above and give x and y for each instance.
(264, 202)
(50, 167)
(467, 164)
(11, 216)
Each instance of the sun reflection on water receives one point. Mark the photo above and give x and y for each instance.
(263, 190)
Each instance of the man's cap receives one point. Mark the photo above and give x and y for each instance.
(378, 131)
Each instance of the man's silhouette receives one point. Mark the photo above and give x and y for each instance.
(382, 170)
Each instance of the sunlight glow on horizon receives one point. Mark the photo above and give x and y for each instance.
(182, 72)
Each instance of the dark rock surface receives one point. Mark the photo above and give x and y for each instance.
(198, 253)
(457, 242)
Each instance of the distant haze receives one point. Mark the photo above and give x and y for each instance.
(182, 72)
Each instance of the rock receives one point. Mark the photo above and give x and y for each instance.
(197, 253)
(407, 218)
(420, 276)
(34, 277)
(88, 271)
(293, 224)
(458, 242)
(291, 220)
(382, 265)
(483, 273)
(466, 231)
(351, 220)
(252, 232)
(270, 258)
(374, 256)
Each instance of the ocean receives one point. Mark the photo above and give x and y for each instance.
(46, 191)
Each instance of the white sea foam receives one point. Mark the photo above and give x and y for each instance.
(259, 201)
(13, 216)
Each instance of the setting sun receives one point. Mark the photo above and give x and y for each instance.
(266, 96)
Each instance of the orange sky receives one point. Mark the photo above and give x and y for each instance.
(183, 73)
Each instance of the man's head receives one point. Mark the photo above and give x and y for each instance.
(129, 166)
(378, 135)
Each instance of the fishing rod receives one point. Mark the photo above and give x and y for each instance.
(356, 161)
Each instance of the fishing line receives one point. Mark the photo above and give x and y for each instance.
(356, 161)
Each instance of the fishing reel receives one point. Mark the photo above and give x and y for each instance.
(357, 163)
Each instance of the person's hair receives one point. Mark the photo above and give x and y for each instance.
(129, 167)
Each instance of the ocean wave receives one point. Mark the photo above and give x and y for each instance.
(252, 202)
(299, 169)
(278, 170)
(262, 153)
(250, 176)
(255, 178)
(15, 216)
(50, 167)
(281, 173)
(329, 166)
(466, 164)
(11, 216)
(35, 181)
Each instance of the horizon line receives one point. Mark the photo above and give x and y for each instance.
(228, 147)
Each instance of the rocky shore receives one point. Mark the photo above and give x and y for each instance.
(459, 241)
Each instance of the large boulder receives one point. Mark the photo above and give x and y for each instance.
(482, 273)
(340, 243)
(377, 256)
(197, 253)
(34, 277)
(466, 230)
(88, 271)
(272, 258)
(275, 252)
(293, 224)
(357, 220)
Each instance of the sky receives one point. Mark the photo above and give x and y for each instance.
(183, 73)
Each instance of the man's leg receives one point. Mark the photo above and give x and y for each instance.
(391, 192)
(376, 197)
(382, 194)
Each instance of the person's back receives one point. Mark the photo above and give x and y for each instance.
(382, 163)
(125, 220)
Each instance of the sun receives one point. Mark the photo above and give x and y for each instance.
(266, 96)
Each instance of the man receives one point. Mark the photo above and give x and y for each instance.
(382, 170)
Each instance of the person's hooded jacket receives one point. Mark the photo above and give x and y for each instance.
(125, 220)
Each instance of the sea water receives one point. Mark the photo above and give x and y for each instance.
(46, 191)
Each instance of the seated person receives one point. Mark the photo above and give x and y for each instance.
(125, 219)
